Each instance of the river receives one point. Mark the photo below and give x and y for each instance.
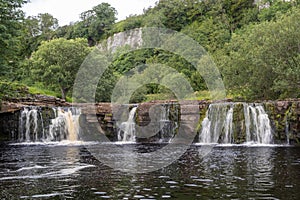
(68, 171)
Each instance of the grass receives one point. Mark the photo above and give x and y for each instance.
(41, 91)
(159, 96)
(12, 90)
(198, 95)
(16, 90)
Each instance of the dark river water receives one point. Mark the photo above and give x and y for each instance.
(71, 172)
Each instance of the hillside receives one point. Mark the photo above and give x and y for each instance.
(255, 46)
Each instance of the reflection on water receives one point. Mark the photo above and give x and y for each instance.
(233, 172)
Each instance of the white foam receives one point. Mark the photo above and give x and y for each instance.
(61, 143)
(30, 168)
(205, 144)
(123, 142)
(59, 173)
(246, 144)
(45, 195)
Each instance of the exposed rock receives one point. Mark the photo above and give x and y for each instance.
(284, 115)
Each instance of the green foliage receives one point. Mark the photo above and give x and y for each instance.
(201, 95)
(158, 96)
(271, 9)
(10, 16)
(254, 43)
(35, 30)
(105, 86)
(56, 63)
(263, 60)
(131, 22)
(97, 21)
(40, 90)
(10, 90)
(209, 33)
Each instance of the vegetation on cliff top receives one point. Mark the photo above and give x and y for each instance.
(255, 45)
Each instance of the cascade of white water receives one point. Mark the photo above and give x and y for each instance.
(64, 126)
(264, 135)
(287, 127)
(217, 126)
(218, 120)
(247, 121)
(165, 126)
(22, 124)
(127, 130)
(228, 127)
(257, 122)
(30, 125)
(205, 136)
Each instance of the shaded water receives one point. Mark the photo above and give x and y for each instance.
(234, 172)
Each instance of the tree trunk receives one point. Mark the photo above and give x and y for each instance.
(63, 93)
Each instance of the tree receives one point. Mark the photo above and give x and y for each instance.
(131, 22)
(270, 9)
(97, 21)
(37, 29)
(209, 33)
(263, 61)
(56, 63)
(10, 25)
(283, 51)
(173, 14)
(47, 24)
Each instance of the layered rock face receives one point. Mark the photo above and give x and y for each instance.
(167, 116)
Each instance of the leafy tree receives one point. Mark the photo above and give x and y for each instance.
(173, 14)
(56, 63)
(10, 16)
(283, 51)
(35, 30)
(263, 61)
(65, 32)
(47, 24)
(131, 22)
(97, 21)
(211, 34)
(270, 9)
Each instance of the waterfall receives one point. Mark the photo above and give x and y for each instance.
(33, 128)
(218, 121)
(64, 126)
(287, 126)
(219, 125)
(257, 122)
(166, 126)
(31, 125)
(228, 138)
(127, 131)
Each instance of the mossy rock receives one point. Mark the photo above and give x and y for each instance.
(239, 131)
(202, 114)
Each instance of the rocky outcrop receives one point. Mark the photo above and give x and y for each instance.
(9, 125)
(285, 119)
(132, 38)
(15, 104)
